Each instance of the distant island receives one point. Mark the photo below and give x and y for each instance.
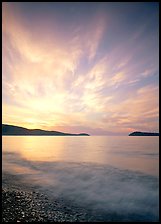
(16, 130)
(138, 133)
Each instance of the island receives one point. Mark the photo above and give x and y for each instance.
(16, 130)
(139, 133)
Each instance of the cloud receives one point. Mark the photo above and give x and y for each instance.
(139, 113)
(95, 35)
(69, 74)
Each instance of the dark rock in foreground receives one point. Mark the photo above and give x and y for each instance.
(15, 130)
(138, 133)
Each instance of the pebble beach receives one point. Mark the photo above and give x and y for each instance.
(23, 206)
(21, 203)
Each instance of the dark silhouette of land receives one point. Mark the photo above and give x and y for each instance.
(138, 133)
(15, 130)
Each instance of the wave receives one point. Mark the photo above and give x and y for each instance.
(136, 154)
(98, 187)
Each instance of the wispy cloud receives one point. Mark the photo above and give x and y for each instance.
(56, 74)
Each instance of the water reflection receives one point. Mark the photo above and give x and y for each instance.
(134, 153)
(88, 171)
(97, 186)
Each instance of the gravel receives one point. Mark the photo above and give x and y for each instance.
(23, 206)
(23, 202)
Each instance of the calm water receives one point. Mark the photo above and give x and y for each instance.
(116, 174)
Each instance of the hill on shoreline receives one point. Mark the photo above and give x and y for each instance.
(138, 133)
(16, 130)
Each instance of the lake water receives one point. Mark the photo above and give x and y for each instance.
(119, 175)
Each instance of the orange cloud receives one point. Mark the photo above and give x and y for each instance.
(55, 78)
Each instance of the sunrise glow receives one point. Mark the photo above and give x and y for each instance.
(81, 67)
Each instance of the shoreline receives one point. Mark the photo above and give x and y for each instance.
(21, 202)
(24, 202)
(25, 206)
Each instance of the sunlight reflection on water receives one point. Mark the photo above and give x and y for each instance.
(134, 153)
(113, 174)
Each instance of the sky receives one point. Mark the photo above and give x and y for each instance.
(81, 67)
